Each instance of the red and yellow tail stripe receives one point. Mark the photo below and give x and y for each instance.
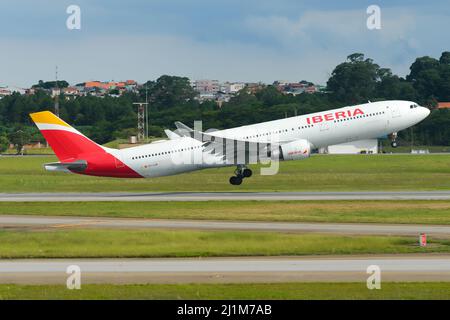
(70, 145)
(45, 120)
(66, 142)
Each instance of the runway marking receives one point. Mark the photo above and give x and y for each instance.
(243, 264)
(225, 196)
(133, 223)
(74, 225)
(266, 269)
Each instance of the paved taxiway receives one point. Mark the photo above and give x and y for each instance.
(205, 196)
(273, 269)
(127, 223)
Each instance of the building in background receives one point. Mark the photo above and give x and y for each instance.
(368, 146)
(100, 88)
(443, 105)
(252, 88)
(4, 91)
(216, 91)
(9, 90)
(295, 88)
(232, 87)
(207, 86)
(71, 93)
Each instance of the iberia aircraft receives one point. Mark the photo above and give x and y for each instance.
(189, 149)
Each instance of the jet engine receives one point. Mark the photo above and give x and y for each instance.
(295, 150)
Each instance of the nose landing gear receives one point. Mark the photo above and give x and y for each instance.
(393, 138)
(241, 172)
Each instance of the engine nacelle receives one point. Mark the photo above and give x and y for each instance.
(295, 150)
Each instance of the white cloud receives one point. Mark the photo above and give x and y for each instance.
(406, 33)
(340, 25)
(278, 48)
(148, 57)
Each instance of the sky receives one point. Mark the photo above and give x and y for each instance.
(232, 40)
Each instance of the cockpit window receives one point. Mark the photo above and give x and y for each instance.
(413, 106)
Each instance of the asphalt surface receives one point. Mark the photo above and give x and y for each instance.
(205, 196)
(273, 269)
(344, 228)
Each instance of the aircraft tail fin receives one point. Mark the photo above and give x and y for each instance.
(67, 143)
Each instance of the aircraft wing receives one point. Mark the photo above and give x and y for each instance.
(227, 149)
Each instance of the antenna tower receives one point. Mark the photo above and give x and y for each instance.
(56, 93)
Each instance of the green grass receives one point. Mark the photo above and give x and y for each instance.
(407, 149)
(115, 143)
(319, 173)
(32, 151)
(408, 212)
(118, 142)
(272, 291)
(104, 243)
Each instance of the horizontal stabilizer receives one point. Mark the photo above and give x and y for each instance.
(76, 166)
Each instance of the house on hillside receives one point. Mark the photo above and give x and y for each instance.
(443, 105)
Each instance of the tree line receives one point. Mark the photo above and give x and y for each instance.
(171, 98)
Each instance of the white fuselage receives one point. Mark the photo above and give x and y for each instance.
(365, 121)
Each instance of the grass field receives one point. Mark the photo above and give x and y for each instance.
(408, 212)
(407, 149)
(319, 173)
(304, 291)
(32, 151)
(125, 142)
(104, 243)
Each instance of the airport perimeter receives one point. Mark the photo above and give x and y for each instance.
(314, 227)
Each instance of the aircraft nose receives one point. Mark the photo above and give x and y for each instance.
(425, 112)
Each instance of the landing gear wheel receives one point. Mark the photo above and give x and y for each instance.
(247, 173)
(393, 137)
(241, 172)
(236, 180)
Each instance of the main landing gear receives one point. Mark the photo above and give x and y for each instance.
(241, 172)
(393, 138)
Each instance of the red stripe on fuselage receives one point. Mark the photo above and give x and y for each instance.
(103, 164)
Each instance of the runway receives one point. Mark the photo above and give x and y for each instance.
(273, 269)
(224, 196)
(127, 223)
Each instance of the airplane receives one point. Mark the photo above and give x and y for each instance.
(285, 139)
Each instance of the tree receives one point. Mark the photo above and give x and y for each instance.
(393, 87)
(50, 84)
(4, 143)
(444, 71)
(425, 77)
(355, 80)
(431, 78)
(445, 57)
(168, 92)
(19, 137)
(270, 96)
